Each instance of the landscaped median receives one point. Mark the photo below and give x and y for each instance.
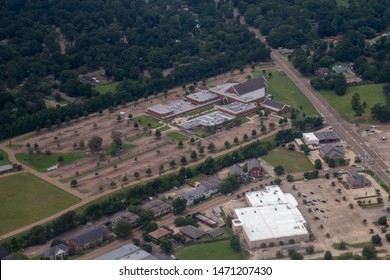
(25, 199)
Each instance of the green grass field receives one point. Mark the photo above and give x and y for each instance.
(219, 250)
(127, 147)
(372, 94)
(145, 120)
(291, 161)
(25, 199)
(42, 161)
(284, 90)
(202, 132)
(177, 136)
(103, 89)
(4, 158)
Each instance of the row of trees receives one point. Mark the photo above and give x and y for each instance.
(133, 197)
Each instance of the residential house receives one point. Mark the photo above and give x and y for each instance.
(197, 194)
(192, 232)
(254, 168)
(331, 152)
(338, 69)
(89, 238)
(322, 71)
(57, 252)
(126, 216)
(355, 180)
(158, 207)
(159, 234)
(237, 171)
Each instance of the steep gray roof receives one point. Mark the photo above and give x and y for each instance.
(331, 152)
(274, 104)
(192, 232)
(236, 169)
(53, 251)
(253, 163)
(250, 85)
(91, 235)
(195, 192)
(356, 178)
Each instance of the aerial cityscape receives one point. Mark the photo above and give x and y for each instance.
(195, 130)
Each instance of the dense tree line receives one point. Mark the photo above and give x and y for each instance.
(380, 111)
(195, 39)
(133, 197)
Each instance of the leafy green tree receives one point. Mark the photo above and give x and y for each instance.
(279, 170)
(318, 164)
(369, 252)
(183, 160)
(157, 134)
(376, 239)
(245, 137)
(211, 147)
(122, 229)
(235, 243)
(331, 163)
(254, 133)
(180, 145)
(172, 164)
(95, 143)
(166, 246)
(179, 205)
(148, 171)
(73, 183)
(328, 256)
(193, 155)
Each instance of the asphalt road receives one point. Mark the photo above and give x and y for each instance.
(331, 116)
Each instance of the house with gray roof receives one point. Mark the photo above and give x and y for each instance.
(236, 170)
(355, 180)
(338, 69)
(158, 207)
(89, 238)
(57, 252)
(331, 152)
(192, 232)
(197, 194)
(125, 216)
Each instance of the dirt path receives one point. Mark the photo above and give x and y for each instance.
(61, 41)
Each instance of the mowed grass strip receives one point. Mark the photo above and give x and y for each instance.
(4, 158)
(25, 198)
(177, 136)
(219, 250)
(371, 94)
(110, 87)
(292, 161)
(145, 120)
(41, 162)
(285, 91)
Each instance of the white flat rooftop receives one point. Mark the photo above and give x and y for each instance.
(271, 214)
(272, 195)
(310, 136)
(211, 119)
(237, 107)
(273, 221)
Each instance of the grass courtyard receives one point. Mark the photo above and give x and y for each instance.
(3, 158)
(145, 120)
(292, 161)
(284, 90)
(25, 198)
(110, 87)
(177, 136)
(218, 250)
(41, 162)
(372, 94)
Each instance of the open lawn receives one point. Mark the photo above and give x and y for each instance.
(284, 90)
(177, 136)
(103, 89)
(145, 120)
(41, 162)
(372, 94)
(219, 250)
(292, 161)
(25, 199)
(3, 158)
(202, 132)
